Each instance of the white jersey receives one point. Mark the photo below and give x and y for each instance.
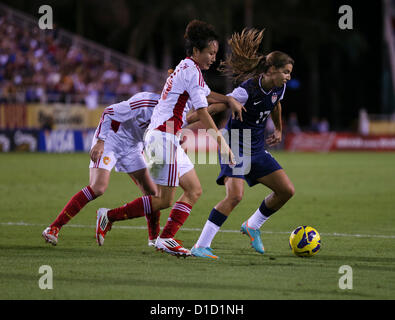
(123, 124)
(184, 88)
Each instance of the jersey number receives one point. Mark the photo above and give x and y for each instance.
(262, 116)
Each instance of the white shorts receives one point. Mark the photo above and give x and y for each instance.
(167, 161)
(123, 162)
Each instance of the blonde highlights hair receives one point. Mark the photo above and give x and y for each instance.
(245, 60)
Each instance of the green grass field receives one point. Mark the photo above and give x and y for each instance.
(348, 197)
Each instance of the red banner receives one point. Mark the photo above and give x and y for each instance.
(333, 141)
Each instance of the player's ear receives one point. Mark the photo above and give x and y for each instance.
(195, 51)
(270, 70)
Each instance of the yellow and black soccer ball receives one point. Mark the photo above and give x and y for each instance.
(305, 241)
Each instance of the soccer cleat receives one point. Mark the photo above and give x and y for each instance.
(255, 237)
(50, 235)
(171, 246)
(151, 243)
(103, 225)
(202, 252)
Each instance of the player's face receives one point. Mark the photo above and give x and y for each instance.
(281, 75)
(206, 57)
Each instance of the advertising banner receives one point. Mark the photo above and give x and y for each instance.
(338, 142)
(54, 116)
(57, 141)
(18, 140)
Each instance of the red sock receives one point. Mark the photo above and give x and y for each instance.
(76, 203)
(178, 215)
(136, 208)
(153, 222)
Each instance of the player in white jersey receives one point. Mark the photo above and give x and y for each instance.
(168, 161)
(118, 141)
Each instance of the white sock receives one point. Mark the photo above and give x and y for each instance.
(257, 220)
(209, 231)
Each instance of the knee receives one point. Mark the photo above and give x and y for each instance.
(149, 191)
(288, 192)
(161, 202)
(98, 189)
(234, 199)
(195, 194)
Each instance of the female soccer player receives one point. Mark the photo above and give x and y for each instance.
(118, 141)
(263, 88)
(169, 165)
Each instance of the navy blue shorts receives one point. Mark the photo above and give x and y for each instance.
(261, 165)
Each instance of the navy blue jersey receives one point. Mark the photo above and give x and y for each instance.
(253, 161)
(259, 104)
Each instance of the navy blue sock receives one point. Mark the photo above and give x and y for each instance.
(265, 210)
(217, 217)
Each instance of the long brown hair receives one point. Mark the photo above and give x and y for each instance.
(245, 60)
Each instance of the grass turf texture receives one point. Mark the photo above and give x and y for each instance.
(347, 197)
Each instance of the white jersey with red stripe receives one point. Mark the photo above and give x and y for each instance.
(184, 88)
(123, 124)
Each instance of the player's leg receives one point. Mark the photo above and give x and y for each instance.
(179, 213)
(144, 182)
(234, 194)
(98, 182)
(218, 215)
(283, 190)
(147, 205)
(148, 187)
(143, 205)
(190, 183)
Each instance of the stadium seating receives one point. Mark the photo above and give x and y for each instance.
(50, 66)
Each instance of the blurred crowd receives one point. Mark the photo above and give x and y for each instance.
(36, 66)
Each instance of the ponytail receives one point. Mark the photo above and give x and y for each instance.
(245, 61)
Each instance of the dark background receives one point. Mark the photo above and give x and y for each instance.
(336, 73)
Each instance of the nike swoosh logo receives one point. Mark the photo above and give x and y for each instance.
(255, 103)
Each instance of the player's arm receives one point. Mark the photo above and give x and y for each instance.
(212, 109)
(111, 119)
(276, 137)
(209, 124)
(236, 107)
(198, 98)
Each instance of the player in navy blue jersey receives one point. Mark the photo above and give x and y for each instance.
(263, 82)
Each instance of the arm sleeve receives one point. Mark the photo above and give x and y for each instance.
(196, 88)
(240, 94)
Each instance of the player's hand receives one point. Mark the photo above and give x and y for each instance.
(228, 157)
(97, 150)
(274, 138)
(226, 152)
(232, 159)
(237, 108)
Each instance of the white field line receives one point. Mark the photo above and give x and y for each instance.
(334, 234)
